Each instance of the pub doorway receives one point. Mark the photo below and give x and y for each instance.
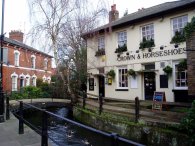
(149, 85)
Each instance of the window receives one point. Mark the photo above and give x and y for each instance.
(179, 23)
(45, 63)
(147, 31)
(16, 57)
(33, 61)
(34, 80)
(122, 38)
(44, 78)
(122, 78)
(14, 78)
(180, 80)
(48, 80)
(101, 43)
(27, 81)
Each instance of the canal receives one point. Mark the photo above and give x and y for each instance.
(65, 134)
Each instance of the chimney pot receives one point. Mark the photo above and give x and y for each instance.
(113, 14)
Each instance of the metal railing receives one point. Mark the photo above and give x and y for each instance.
(115, 139)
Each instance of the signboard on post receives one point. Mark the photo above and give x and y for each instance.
(158, 99)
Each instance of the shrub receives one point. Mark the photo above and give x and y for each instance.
(188, 124)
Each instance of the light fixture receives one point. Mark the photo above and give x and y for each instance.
(162, 47)
(137, 51)
(118, 55)
(127, 53)
(149, 49)
(176, 45)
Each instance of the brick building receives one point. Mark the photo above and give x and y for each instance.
(22, 64)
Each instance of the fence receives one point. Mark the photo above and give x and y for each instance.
(115, 139)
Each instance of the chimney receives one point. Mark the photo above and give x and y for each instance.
(16, 35)
(113, 14)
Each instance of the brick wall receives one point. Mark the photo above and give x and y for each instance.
(191, 65)
(24, 66)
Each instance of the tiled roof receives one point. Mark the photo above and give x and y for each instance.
(24, 46)
(148, 12)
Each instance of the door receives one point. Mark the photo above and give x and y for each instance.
(149, 85)
(101, 86)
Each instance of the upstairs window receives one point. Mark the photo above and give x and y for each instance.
(33, 57)
(147, 31)
(45, 64)
(178, 24)
(101, 43)
(122, 38)
(16, 58)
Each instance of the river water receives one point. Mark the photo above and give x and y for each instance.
(65, 134)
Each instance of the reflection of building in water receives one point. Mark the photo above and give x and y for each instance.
(141, 42)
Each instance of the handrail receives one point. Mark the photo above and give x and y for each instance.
(115, 138)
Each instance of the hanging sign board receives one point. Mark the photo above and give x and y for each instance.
(158, 99)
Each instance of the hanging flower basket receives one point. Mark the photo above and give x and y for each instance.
(131, 72)
(182, 66)
(111, 73)
(168, 70)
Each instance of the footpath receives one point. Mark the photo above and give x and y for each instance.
(9, 129)
(9, 134)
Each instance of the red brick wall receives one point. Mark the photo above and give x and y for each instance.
(25, 63)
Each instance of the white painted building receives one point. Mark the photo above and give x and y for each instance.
(160, 23)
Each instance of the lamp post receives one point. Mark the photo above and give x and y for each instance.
(1, 67)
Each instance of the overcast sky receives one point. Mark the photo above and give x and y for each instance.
(17, 14)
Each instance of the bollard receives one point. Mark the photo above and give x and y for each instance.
(136, 109)
(7, 108)
(114, 138)
(44, 136)
(84, 99)
(21, 122)
(2, 106)
(100, 104)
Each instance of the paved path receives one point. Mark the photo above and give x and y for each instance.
(9, 129)
(9, 134)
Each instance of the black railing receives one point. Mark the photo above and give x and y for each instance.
(115, 139)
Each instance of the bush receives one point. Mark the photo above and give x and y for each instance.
(188, 124)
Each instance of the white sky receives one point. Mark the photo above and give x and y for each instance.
(17, 14)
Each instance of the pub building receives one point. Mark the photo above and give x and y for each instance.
(136, 55)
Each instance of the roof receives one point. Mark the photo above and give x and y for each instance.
(143, 14)
(24, 46)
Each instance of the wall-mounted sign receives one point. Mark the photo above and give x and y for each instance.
(156, 54)
(91, 84)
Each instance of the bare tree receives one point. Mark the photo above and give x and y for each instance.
(59, 24)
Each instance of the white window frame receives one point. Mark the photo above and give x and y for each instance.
(119, 78)
(44, 79)
(27, 80)
(14, 78)
(33, 61)
(34, 80)
(22, 76)
(16, 58)
(178, 23)
(122, 38)
(101, 43)
(48, 80)
(147, 31)
(174, 78)
(45, 64)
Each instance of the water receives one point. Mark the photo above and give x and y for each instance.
(66, 134)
